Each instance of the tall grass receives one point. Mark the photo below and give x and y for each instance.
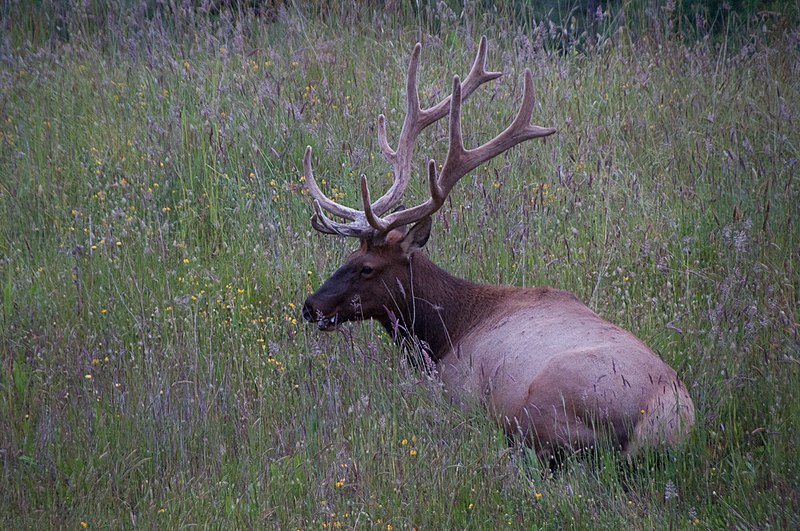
(156, 250)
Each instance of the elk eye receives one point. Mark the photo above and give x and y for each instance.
(366, 271)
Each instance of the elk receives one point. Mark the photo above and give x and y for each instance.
(552, 372)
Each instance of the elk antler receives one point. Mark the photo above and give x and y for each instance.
(459, 161)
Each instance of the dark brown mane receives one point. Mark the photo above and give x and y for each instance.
(431, 317)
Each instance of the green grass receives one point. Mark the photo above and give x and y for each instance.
(156, 250)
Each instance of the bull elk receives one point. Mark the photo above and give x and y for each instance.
(548, 368)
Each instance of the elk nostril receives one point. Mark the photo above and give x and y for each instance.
(308, 312)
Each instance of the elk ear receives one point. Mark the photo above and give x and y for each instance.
(417, 236)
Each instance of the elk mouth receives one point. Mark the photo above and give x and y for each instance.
(327, 324)
(324, 323)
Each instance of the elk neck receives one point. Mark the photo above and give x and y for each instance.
(439, 308)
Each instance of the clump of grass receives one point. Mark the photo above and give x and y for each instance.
(156, 249)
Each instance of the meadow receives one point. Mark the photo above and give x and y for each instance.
(156, 250)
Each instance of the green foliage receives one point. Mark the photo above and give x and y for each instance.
(156, 250)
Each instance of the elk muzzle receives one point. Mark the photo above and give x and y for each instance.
(313, 314)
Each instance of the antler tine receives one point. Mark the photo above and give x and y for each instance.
(456, 150)
(358, 226)
(320, 221)
(375, 221)
(478, 75)
(386, 149)
(328, 204)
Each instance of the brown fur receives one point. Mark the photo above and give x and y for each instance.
(548, 368)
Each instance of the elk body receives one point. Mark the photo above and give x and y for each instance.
(547, 367)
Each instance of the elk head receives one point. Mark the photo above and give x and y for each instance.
(371, 283)
(376, 277)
